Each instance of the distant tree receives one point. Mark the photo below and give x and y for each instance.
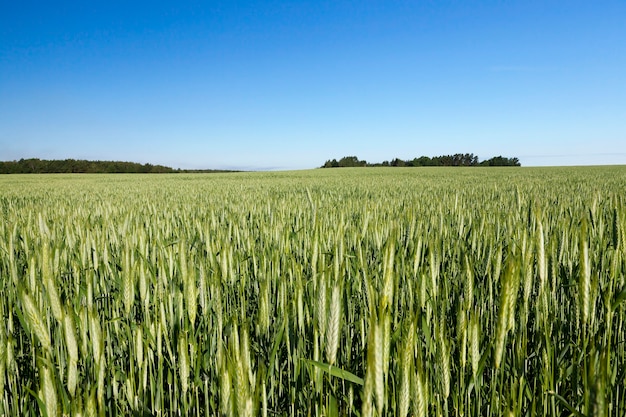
(397, 162)
(422, 161)
(37, 166)
(457, 160)
(500, 161)
(351, 161)
(346, 161)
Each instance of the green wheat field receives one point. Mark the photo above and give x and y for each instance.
(339, 292)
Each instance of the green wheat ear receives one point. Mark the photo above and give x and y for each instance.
(35, 320)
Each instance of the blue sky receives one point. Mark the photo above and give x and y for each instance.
(288, 85)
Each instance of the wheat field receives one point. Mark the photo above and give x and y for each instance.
(365, 292)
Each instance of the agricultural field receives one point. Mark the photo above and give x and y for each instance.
(339, 292)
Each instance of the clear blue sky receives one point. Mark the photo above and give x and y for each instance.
(288, 85)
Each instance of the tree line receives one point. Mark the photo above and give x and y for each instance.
(464, 160)
(76, 166)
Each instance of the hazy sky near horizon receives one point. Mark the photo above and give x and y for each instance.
(290, 84)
